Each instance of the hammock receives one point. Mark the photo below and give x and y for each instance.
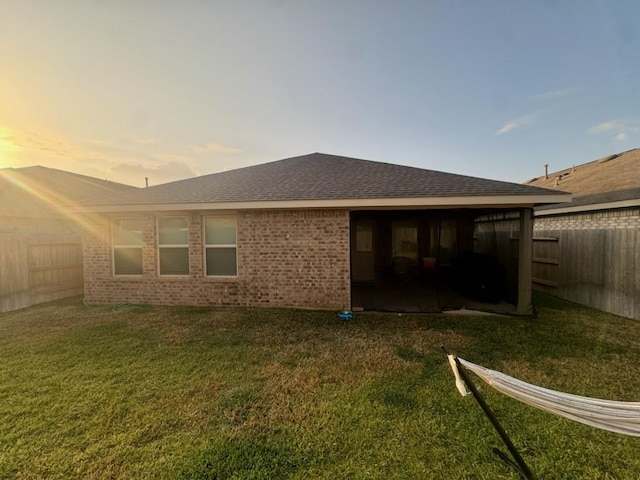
(619, 417)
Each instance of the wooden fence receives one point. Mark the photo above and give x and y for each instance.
(599, 268)
(39, 268)
(546, 261)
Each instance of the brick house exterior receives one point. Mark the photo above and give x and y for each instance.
(591, 220)
(279, 234)
(311, 271)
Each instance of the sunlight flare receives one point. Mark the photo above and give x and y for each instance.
(7, 146)
(57, 201)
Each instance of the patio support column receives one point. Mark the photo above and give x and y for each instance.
(525, 262)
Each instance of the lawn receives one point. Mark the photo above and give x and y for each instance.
(235, 393)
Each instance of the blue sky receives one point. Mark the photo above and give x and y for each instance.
(170, 89)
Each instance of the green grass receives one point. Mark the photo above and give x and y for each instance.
(193, 393)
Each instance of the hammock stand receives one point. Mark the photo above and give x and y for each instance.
(615, 416)
(518, 463)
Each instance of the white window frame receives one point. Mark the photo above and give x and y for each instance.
(172, 245)
(114, 246)
(226, 245)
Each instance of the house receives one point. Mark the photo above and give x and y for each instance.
(588, 251)
(40, 241)
(314, 231)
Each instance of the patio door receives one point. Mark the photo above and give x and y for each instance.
(363, 251)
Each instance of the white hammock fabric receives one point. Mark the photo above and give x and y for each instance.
(619, 417)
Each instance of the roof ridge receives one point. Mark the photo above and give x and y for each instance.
(24, 170)
(320, 177)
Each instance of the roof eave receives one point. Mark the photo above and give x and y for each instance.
(588, 207)
(479, 201)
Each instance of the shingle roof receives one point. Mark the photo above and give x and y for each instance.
(39, 190)
(318, 176)
(597, 198)
(608, 174)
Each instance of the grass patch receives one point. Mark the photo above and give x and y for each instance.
(164, 393)
(244, 458)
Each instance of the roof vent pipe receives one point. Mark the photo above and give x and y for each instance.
(546, 172)
(574, 169)
(146, 182)
(557, 181)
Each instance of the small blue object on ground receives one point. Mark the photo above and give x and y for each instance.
(345, 314)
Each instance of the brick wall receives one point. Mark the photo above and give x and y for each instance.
(597, 220)
(286, 258)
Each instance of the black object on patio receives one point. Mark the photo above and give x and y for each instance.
(479, 276)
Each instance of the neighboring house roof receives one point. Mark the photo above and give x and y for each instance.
(629, 197)
(609, 182)
(42, 191)
(321, 180)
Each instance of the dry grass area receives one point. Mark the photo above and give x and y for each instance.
(160, 392)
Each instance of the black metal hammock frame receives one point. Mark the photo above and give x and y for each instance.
(614, 416)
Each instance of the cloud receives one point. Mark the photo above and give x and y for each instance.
(170, 157)
(212, 148)
(7, 144)
(127, 161)
(147, 141)
(607, 127)
(40, 140)
(554, 94)
(516, 123)
(620, 129)
(135, 174)
(136, 141)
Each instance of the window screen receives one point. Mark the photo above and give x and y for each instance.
(220, 246)
(127, 246)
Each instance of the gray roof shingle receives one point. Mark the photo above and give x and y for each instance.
(317, 176)
(608, 174)
(42, 190)
(597, 198)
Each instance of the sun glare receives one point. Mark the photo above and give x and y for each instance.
(56, 200)
(7, 147)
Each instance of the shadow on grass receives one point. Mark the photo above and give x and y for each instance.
(396, 391)
(560, 330)
(248, 458)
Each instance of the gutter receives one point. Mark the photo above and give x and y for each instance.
(587, 207)
(480, 201)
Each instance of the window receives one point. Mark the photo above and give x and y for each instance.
(364, 237)
(220, 246)
(127, 246)
(405, 240)
(173, 245)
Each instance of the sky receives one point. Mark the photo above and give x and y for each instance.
(124, 90)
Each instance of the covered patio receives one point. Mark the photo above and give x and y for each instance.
(434, 260)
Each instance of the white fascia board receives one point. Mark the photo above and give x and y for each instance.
(589, 208)
(491, 201)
